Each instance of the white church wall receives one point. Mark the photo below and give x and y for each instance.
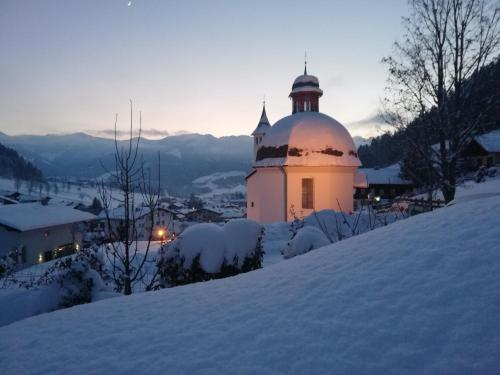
(265, 195)
(330, 184)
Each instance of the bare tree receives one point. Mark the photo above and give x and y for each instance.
(18, 183)
(132, 183)
(432, 78)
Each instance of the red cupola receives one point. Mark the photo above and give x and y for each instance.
(305, 93)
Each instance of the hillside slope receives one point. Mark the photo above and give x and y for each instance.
(418, 296)
(14, 166)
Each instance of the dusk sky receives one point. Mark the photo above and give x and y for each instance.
(193, 66)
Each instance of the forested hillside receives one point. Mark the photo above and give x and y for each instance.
(12, 165)
(392, 147)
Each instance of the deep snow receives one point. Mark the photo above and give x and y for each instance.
(418, 296)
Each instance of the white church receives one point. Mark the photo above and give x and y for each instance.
(305, 162)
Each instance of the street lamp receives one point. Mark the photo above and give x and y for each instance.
(161, 234)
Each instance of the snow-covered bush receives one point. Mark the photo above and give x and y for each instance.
(307, 238)
(330, 226)
(8, 265)
(208, 251)
(69, 281)
(75, 279)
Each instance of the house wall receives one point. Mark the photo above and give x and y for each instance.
(9, 240)
(38, 241)
(330, 184)
(163, 219)
(265, 195)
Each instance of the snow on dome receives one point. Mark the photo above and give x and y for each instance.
(306, 78)
(308, 139)
(307, 83)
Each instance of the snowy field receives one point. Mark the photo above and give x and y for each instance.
(417, 296)
(221, 183)
(76, 194)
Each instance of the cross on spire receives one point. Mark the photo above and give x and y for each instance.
(305, 63)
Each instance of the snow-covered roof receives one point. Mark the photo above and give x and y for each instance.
(308, 139)
(307, 89)
(490, 141)
(306, 83)
(306, 78)
(29, 216)
(385, 176)
(8, 200)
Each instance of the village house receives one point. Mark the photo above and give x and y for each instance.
(483, 150)
(162, 223)
(383, 183)
(38, 233)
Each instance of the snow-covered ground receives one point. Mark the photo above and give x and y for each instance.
(417, 296)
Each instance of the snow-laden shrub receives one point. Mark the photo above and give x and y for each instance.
(8, 265)
(306, 239)
(75, 279)
(334, 226)
(208, 251)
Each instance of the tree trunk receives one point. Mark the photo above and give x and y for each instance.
(127, 287)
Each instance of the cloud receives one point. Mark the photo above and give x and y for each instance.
(146, 133)
(370, 126)
(377, 119)
(181, 132)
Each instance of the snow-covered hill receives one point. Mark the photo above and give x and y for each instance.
(218, 183)
(418, 296)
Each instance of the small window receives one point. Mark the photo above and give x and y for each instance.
(307, 193)
(251, 204)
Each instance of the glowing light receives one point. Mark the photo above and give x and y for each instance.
(161, 232)
(77, 247)
(377, 199)
(40, 258)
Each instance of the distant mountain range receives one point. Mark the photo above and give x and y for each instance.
(183, 158)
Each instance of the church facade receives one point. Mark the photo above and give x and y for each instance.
(305, 162)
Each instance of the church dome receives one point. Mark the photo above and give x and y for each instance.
(307, 139)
